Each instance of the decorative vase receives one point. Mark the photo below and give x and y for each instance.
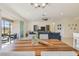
(35, 40)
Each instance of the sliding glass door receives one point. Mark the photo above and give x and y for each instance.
(6, 31)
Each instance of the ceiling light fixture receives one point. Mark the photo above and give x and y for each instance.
(39, 5)
(44, 17)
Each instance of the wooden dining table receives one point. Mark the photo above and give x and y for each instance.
(43, 45)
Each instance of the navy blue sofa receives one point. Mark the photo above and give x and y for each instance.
(51, 35)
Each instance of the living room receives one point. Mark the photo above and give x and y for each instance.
(59, 24)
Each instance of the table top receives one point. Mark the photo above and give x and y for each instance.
(45, 45)
(49, 45)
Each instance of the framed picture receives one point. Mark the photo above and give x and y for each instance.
(75, 24)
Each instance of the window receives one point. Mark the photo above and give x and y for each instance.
(6, 27)
(6, 30)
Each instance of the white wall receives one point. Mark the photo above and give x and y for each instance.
(16, 28)
(68, 32)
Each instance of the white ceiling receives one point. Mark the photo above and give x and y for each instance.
(52, 11)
